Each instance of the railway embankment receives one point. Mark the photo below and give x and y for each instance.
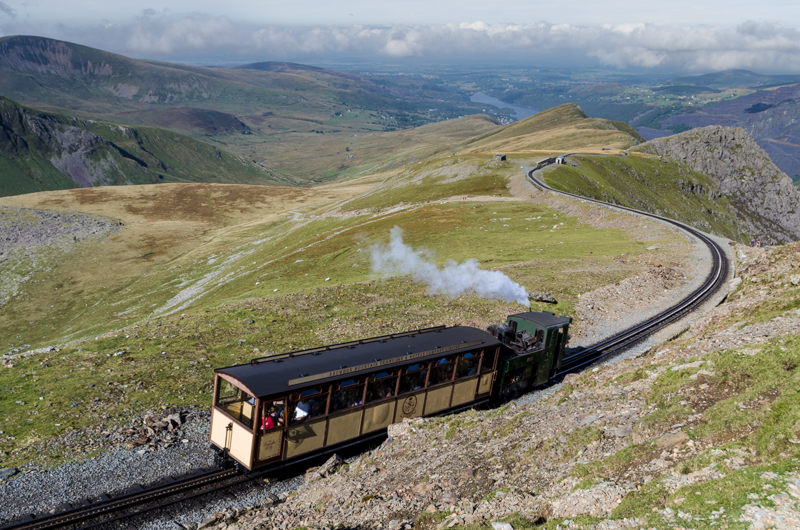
(701, 431)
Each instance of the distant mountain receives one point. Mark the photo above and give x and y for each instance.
(54, 74)
(40, 151)
(272, 66)
(298, 121)
(736, 79)
(771, 117)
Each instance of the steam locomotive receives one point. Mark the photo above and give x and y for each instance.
(287, 408)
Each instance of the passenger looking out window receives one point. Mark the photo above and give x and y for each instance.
(272, 415)
(349, 394)
(309, 403)
(467, 365)
(442, 371)
(381, 386)
(413, 378)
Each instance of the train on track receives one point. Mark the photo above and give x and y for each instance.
(287, 408)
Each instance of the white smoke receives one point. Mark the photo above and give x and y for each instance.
(452, 279)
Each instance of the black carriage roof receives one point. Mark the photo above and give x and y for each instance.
(292, 371)
(543, 318)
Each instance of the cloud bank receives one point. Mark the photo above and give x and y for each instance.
(765, 46)
(453, 279)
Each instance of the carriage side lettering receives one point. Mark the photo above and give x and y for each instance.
(376, 364)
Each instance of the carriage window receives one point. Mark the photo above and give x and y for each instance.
(236, 402)
(488, 361)
(467, 365)
(349, 393)
(442, 371)
(381, 386)
(273, 414)
(309, 403)
(413, 377)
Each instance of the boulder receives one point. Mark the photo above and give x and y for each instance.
(542, 297)
(328, 468)
(671, 440)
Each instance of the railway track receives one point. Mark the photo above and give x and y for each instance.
(209, 481)
(143, 500)
(634, 334)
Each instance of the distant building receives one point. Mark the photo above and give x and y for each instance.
(500, 157)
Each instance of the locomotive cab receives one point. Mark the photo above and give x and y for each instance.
(535, 343)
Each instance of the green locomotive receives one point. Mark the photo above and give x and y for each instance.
(534, 348)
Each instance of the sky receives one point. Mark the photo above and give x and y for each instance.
(674, 35)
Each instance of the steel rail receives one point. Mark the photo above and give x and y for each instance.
(636, 333)
(80, 514)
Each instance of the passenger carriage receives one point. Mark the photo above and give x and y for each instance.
(289, 406)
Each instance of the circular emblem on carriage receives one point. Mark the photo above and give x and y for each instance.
(409, 405)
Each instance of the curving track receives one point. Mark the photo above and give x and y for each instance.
(644, 329)
(199, 485)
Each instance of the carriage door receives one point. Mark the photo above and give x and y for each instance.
(271, 427)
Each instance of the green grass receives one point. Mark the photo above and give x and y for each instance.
(295, 262)
(616, 464)
(656, 186)
(752, 400)
(127, 156)
(439, 179)
(712, 504)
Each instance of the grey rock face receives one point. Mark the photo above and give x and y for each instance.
(767, 201)
(542, 297)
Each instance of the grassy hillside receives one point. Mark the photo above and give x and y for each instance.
(562, 128)
(262, 111)
(657, 186)
(214, 274)
(326, 157)
(41, 151)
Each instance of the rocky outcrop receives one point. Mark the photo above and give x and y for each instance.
(767, 201)
(31, 139)
(48, 56)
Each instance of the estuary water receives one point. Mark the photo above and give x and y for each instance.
(518, 112)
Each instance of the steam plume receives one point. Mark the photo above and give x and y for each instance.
(452, 279)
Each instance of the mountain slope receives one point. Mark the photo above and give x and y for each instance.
(41, 151)
(59, 74)
(769, 116)
(766, 199)
(660, 187)
(565, 127)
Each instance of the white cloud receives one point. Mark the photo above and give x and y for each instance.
(763, 46)
(165, 35)
(7, 10)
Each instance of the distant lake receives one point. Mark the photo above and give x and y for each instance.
(518, 112)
